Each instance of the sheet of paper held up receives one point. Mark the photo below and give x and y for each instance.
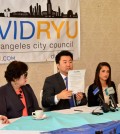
(76, 80)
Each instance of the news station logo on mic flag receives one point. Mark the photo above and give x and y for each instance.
(106, 92)
(110, 92)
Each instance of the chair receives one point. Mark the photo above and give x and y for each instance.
(86, 91)
(41, 94)
(118, 93)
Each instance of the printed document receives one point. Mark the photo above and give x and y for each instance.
(76, 80)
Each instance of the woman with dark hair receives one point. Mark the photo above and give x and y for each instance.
(16, 97)
(102, 81)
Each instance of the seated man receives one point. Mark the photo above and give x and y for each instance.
(55, 94)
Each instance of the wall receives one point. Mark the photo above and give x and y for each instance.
(100, 41)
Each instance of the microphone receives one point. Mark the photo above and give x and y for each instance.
(97, 92)
(105, 107)
(110, 92)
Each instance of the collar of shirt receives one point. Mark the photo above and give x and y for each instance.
(63, 76)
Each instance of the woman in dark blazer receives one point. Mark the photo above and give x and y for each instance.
(102, 81)
(16, 97)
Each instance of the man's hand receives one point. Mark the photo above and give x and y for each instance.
(65, 94)
(4, 119)
(79, 96)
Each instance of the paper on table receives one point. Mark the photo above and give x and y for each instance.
(76, 80)
(80, 109)
(86, 109)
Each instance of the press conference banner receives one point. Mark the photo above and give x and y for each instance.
(36, 30)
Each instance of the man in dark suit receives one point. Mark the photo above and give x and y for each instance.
(55, 95)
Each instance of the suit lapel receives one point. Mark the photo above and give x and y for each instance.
(60, 81)
(11, 95)
(27, 97)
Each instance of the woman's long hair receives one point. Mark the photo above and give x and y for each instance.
(97, 79)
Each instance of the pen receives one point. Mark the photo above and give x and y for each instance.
(78, 110)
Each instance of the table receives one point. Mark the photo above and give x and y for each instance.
(66, 121)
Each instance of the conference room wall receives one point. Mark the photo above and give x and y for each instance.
(100, 41)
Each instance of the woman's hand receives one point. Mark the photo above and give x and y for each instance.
(4, 119)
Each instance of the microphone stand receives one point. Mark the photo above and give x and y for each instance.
(113, 108)
(97, 113)
(105, 107)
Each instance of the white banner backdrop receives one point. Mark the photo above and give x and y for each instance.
(36, 30)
